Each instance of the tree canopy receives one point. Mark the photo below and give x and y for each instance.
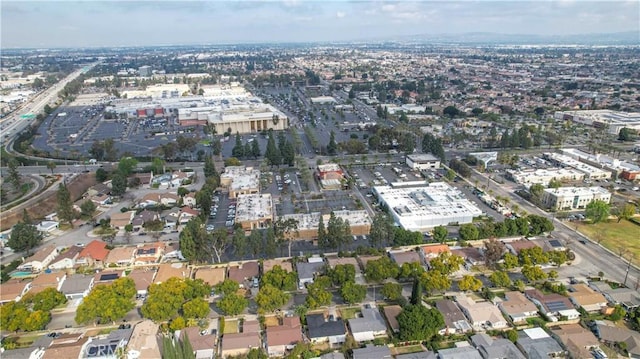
(166, 299)
(597, 211)
(416, 322)
(107, 303)
(270, 298)
(279, 278)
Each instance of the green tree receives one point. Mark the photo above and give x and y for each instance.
(618, 313)
(450, 174)
(318, 295)
(469, 232)
(238, 149)
(196, 308)
(323, 240)
(228, 286)
(101, 175)
(255, 149)
(65, 204)
(416, 292)
(510, 261)
(419, 323)
(194, 241)
(52, 166)
(353, 293)
(239, 241)
(107, 303)
(233, 304)
(332, 147)
(410, 270)
(512, 335)
(392, 291)
(440, 234)
(118, 184)
(272, 154)
(45, 300)
(500, 279)
(493, 250)
(341, 274)
(381, 269)
(177, 323)
(446, 263)
(597, 211)
(127, 165)
(87, 208)
(165, 299)
(279, 278)
(24, 237)
(627, 211)
(533, 273)
(270, 298)
(13, 176)
(469, 282)
(434, 281)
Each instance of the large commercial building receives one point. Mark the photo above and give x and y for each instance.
(589, 171)
(359, 221)
(420, 162)
(611, 121)
(427, 206)
(254, 211)
(242, 118)
(240, 180)
(330, 176)
(567, 198)
(528, 177)
(626, 170)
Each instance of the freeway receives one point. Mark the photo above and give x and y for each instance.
(596, 257)
(13, 124)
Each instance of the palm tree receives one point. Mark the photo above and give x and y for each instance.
(51, 165)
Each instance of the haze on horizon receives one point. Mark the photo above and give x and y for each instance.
(31, 24)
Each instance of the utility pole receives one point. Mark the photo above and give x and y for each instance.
(628, 267)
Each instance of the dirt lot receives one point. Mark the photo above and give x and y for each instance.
(47, 203)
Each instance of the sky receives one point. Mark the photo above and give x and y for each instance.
(50, 24)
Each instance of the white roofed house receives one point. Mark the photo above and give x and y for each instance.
(518, 307)
(189, 199)
(67, 259)
(482, 315)
(368, 327)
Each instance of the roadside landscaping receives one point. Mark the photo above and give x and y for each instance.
(614, 236)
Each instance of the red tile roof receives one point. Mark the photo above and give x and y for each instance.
(96, 250)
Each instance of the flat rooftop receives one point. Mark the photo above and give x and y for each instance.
(427, 206)
(577, 191)
(252, 207)
(242, 177)
(568, 161)
(311, 220)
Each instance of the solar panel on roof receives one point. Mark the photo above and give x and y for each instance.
(110, 276)
(556, 306)
(555, 243)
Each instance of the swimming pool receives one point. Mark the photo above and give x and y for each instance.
(20, 274)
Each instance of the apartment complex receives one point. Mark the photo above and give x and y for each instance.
(308, 222)
(567, 198)
(529, 177)
(590, 172)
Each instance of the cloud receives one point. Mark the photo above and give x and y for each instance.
(341, 14)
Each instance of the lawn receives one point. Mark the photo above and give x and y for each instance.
(408, 349)
(613, 236)
(271, 321)
(349, 313)
(230, 326)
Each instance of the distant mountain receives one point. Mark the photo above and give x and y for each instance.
(617, 38)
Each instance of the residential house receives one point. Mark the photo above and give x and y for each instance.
(144, 178)
(178, 178)
(169, 199)
(454, 320)
(149, 253)
(332, 355)
(628, 298)
(169, 270)
(244, 273)
(190, 199)
(101, 199)
(108, 347)
(170, 218)
(283, 337)
(576, 339)
(391, 312)
(39, 260)
(186, 213)
(418, 355)
(517, 307)
(369, 326)
(536, 343)
(47, 226)
(211, 275)
(431, 251)
(202, 343)
(366, 259)
(462, 352)
(120, 256)
(172, 252)
(333, 261)
(66, 259)
(144, 217)
(151, 199)
(372, 352)
(107, 276)
(236, 344)
(516, 246)
(143, 343)
(402, 257)
(13, 289)
(47, 280)
(77, 286)
(472, 256)
(481, 315)
(322, 330)
(99, 188)
(120, 220)
(586, 298)
(611, 334)
(66, 346)
(491, 348)
(269, 264)
(143, 278)
(552, 305)
(32, 352)
(308, 270)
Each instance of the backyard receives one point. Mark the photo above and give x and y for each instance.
(614, 236)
